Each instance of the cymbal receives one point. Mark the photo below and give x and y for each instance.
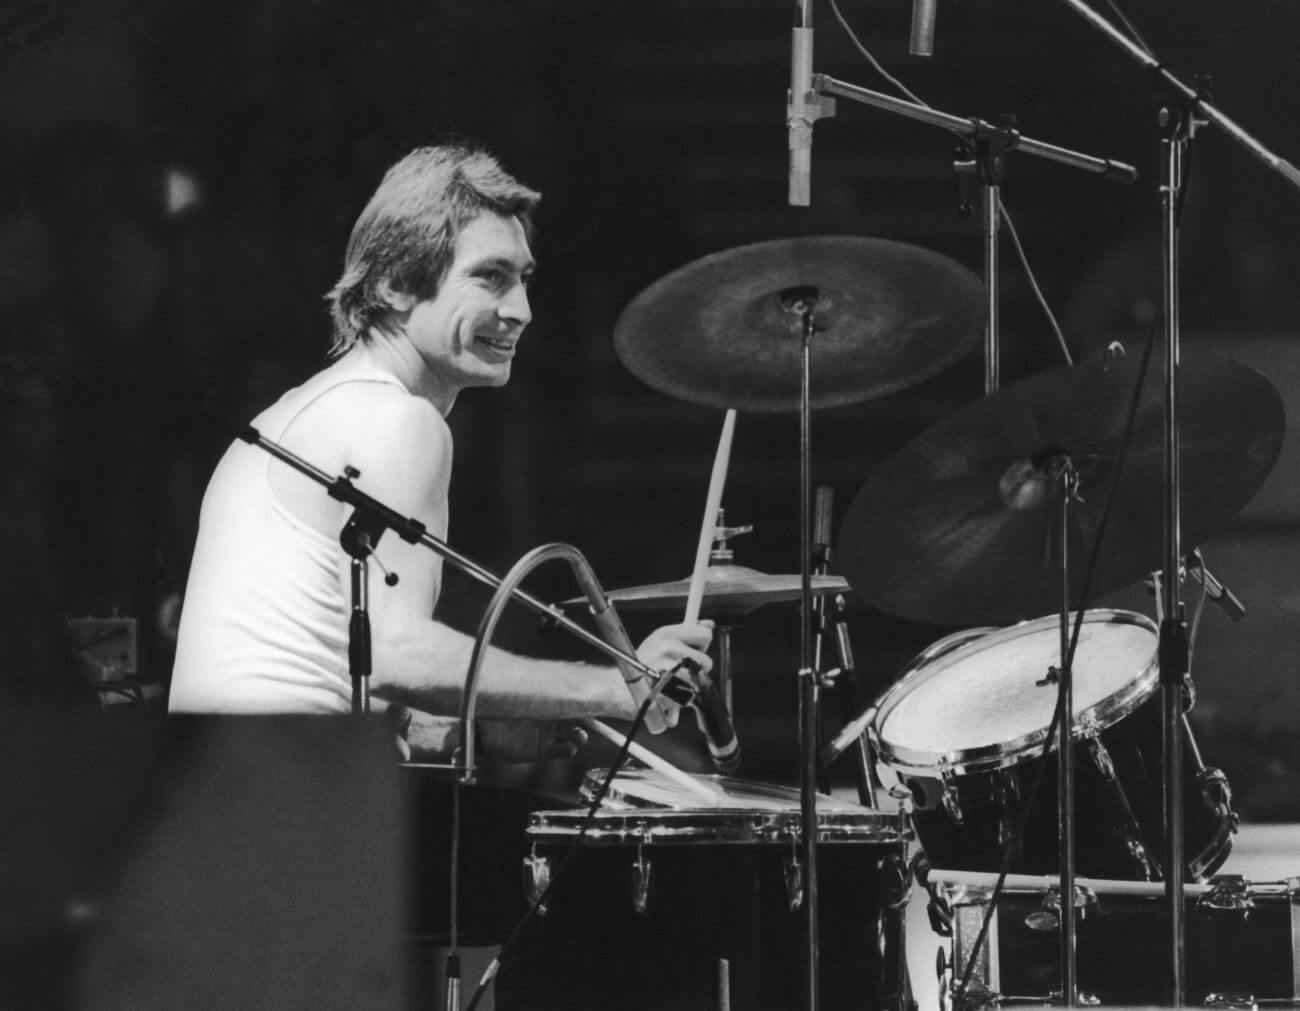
(729, 591)
(722, 331)
(962, 525)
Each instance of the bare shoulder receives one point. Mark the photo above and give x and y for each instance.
(399, 443)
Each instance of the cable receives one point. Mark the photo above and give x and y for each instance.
(1132, 29)
(1006, 215)
(1033, 283)
(539, 903)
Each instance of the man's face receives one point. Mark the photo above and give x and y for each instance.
(467, 333)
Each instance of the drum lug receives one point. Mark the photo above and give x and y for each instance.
(1228, 894)
(793, 880)
(1085, 999)
(641, 873)
(537, 878)
(1216, 792)
(1232, 1000)
(1048, 918)
(1147, 864)
(1101, 759)
(896, 877)
(948, 786)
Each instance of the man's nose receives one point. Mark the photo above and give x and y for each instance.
(514, 307)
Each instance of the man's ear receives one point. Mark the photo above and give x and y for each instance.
(398, 301)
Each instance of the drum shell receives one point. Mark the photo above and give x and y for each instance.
(971, 773)
(990, 804)
(706, 901)
(1122, 947)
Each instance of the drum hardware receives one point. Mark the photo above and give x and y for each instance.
(641, 870)
(1048, 917)
(830, 625)
(930, 729)
(596, 929)
(794, 881)
(1183, 109)
(537, 879)
(1228, 894)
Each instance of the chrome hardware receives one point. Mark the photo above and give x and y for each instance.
(1101, 759)
(1147, 864)
(793, 880)
(1232, 1000)
(1228, 894)
(1048, 918)
(948, 786)
(537, 877)
(641, 871)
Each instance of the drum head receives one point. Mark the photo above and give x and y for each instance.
(988, 703)
(642, 807)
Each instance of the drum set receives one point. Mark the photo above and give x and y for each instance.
(692, 890)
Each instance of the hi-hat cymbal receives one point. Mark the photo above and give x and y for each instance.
(962, 525)
(722, 331)
(729, 591)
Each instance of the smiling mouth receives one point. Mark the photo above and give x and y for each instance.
(501, 346)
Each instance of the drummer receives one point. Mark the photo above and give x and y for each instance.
(433, 299)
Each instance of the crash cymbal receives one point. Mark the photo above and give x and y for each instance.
(729, 591)
(721, 331)
(961, 526)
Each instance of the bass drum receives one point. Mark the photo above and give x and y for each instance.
(965, 726)
(659, 899)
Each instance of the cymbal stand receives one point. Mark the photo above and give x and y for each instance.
(1183, 109)
(1063, 470)
(802, 303)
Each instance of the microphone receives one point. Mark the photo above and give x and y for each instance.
(922, 40)
(1215, 590)
(714, 720)
(800, 113)
(612, 631)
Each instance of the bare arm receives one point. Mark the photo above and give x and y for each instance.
(404, 456)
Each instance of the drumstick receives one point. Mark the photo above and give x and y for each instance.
(660, 765)
(695, 595)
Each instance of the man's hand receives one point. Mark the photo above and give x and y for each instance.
(528, 740)
(666, 647)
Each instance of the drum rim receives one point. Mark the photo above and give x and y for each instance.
(1087, 724)
(726, 826)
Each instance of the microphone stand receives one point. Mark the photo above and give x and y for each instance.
(989, 143)
(372, 517)
(1183, 109)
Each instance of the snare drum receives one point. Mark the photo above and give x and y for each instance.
(658, 895)
(964, 729)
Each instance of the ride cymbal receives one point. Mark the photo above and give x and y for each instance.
(725, 331)
(961, 527)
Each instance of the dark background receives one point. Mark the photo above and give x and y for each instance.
(178, 180)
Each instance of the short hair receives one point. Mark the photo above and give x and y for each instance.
(407, 233)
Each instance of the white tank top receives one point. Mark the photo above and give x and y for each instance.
(264, 624)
